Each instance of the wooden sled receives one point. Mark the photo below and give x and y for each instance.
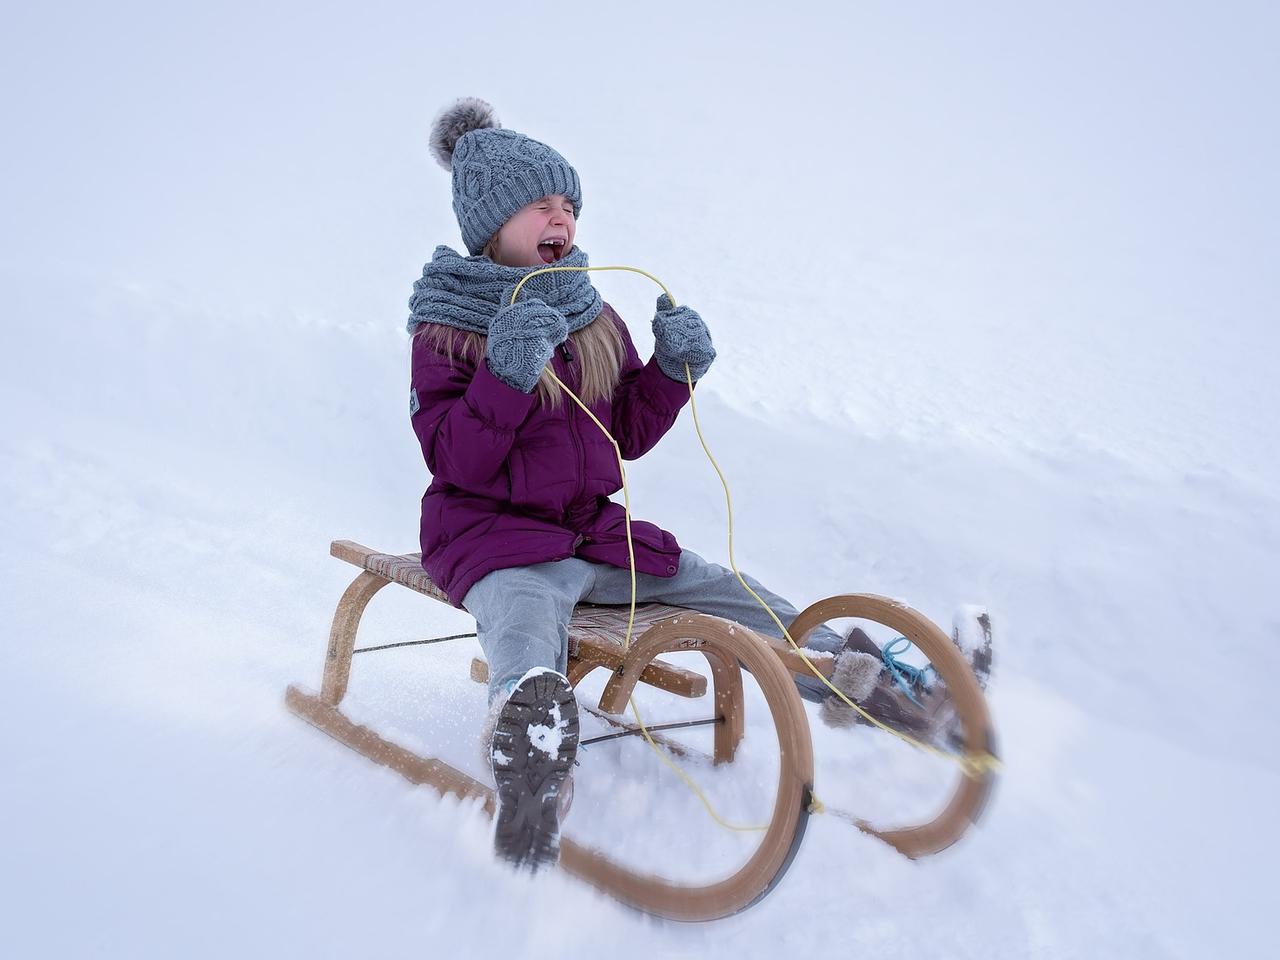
(596, 643)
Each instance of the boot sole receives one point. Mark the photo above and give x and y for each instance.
(534, 746)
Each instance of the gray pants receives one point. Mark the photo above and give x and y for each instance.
(522, 613)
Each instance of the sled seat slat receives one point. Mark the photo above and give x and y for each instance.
(405, 570)
(596, 632)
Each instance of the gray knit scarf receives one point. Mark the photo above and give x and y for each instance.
(466, 292)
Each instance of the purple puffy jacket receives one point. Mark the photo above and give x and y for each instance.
(515, 484)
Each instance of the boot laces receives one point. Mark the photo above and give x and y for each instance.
(907, 677)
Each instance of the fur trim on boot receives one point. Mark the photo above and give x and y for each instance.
(490, 725)
(855, 675)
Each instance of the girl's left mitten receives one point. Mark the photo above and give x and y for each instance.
(680, 337)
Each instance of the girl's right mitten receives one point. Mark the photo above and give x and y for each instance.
(522, 338)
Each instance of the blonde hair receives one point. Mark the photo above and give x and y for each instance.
(597, 347)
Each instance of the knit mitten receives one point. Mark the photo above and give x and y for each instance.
(522, 338)
(681, 337)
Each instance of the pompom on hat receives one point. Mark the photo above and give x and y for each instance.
(496, 172)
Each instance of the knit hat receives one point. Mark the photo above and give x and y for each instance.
(496, 172)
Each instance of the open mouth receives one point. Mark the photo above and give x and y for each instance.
(552, 250)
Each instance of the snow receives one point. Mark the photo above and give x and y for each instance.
(993, 292)
(966, 627)
(547, 738)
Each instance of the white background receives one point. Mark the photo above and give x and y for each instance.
(994, 293)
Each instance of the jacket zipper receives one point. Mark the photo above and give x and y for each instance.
(573, 432)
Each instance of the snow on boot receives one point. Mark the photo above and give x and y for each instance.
(535, 741)
(971, 632)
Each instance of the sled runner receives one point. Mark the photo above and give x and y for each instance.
(595, 642)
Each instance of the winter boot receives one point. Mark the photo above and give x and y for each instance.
(920, 707)
(565, 802)
(531, 753)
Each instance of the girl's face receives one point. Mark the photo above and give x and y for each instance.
(542, 232)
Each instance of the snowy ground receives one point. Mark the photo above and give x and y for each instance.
(994, 297)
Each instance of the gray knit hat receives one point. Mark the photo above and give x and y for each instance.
(495, 171)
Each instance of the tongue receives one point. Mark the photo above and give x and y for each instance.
(546, 253)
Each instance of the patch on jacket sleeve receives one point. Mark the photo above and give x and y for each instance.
(413, 401)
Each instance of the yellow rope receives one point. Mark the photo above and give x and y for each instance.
(973, 765)
(516, 292)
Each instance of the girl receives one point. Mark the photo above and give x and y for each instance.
(517, 524)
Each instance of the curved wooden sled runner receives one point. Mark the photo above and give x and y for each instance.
(595, 643)
(971, 792)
